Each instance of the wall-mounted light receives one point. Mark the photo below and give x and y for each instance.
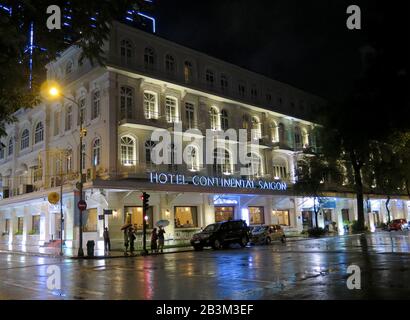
(167, 212)
(115, 214)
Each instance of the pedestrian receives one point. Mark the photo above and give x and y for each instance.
(107, 242)
(126, 243)
(131, 239)
(154, 238)
(161, 239)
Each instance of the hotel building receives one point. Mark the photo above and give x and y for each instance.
(150, 83)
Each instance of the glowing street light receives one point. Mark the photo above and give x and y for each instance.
(51, 90)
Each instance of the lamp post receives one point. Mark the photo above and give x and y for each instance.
(51, 90)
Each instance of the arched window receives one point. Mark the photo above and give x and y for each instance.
(255, 165)
(280, 171)
(274, 131)
(245, 121)
(224, 83)
(25, 139)
(170, 64)
(126, 102)
(305, 138)
(149, 146)
(171, 109)
(10, 147)
(69, 161)
(1, 151)
(298, 138)
(224, 120)
(128, 151)
(39, 133)
(281, 133)
(192, 158)
(256, 128)
(214, 118)
(126, 50)
(209, 77)
(69, 118)
(82, 116)
(96, 152)
(68, 68)
(149, 58)
(150, 105)
(95, 112)
(188, 71)
(222, 162)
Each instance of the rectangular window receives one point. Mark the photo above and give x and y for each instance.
(281, 217)
(7, 226)
(345, 215)
(90, 221)
(20, 224)
(56, 123)
(186, 217)
(35, 224)
(224, 213)
(171, 109)
(241, 90)
(190, 115)
(150, 105)
(134, 216)
(256, 215)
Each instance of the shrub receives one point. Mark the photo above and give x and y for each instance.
(316, 232)
(355, 227)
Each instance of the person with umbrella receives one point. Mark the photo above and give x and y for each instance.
(126, 242)
(161, 239)
(154, 237)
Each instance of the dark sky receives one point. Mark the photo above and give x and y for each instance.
(303, 43)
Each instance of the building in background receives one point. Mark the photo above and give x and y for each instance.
(151, 83)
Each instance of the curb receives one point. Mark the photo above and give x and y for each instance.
(126, 256)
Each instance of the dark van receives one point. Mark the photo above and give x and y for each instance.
(222, 234)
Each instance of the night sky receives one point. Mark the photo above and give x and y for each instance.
(303, 43)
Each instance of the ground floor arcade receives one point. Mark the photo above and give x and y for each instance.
(34, 221)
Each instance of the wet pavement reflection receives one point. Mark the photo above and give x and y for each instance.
(306, 269)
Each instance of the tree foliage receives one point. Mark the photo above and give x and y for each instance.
(15, 26)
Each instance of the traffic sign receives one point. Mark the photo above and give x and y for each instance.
(82, 205)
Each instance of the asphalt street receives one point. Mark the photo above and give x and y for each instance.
(306, 269)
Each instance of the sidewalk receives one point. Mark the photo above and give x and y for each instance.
(39, 251)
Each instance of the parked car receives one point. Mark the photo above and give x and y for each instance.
(266, 234)
(221, 234)
(398, 224)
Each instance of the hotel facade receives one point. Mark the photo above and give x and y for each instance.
(150, 83)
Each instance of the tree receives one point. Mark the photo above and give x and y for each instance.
(312, 177)
(385, 176)
(22, 67)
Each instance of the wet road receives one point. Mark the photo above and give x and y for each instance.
(308, 269)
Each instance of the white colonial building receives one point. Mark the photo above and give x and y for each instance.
(151, 83)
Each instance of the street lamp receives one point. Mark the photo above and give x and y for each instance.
(51, 91)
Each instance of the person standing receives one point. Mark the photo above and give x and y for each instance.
(161, 239)
(126, 243)
(154, 238)
(107, 242)
(131, 239)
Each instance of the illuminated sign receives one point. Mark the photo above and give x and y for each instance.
(205, 181)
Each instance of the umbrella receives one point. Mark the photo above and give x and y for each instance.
(162, 223)
(126, 226)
